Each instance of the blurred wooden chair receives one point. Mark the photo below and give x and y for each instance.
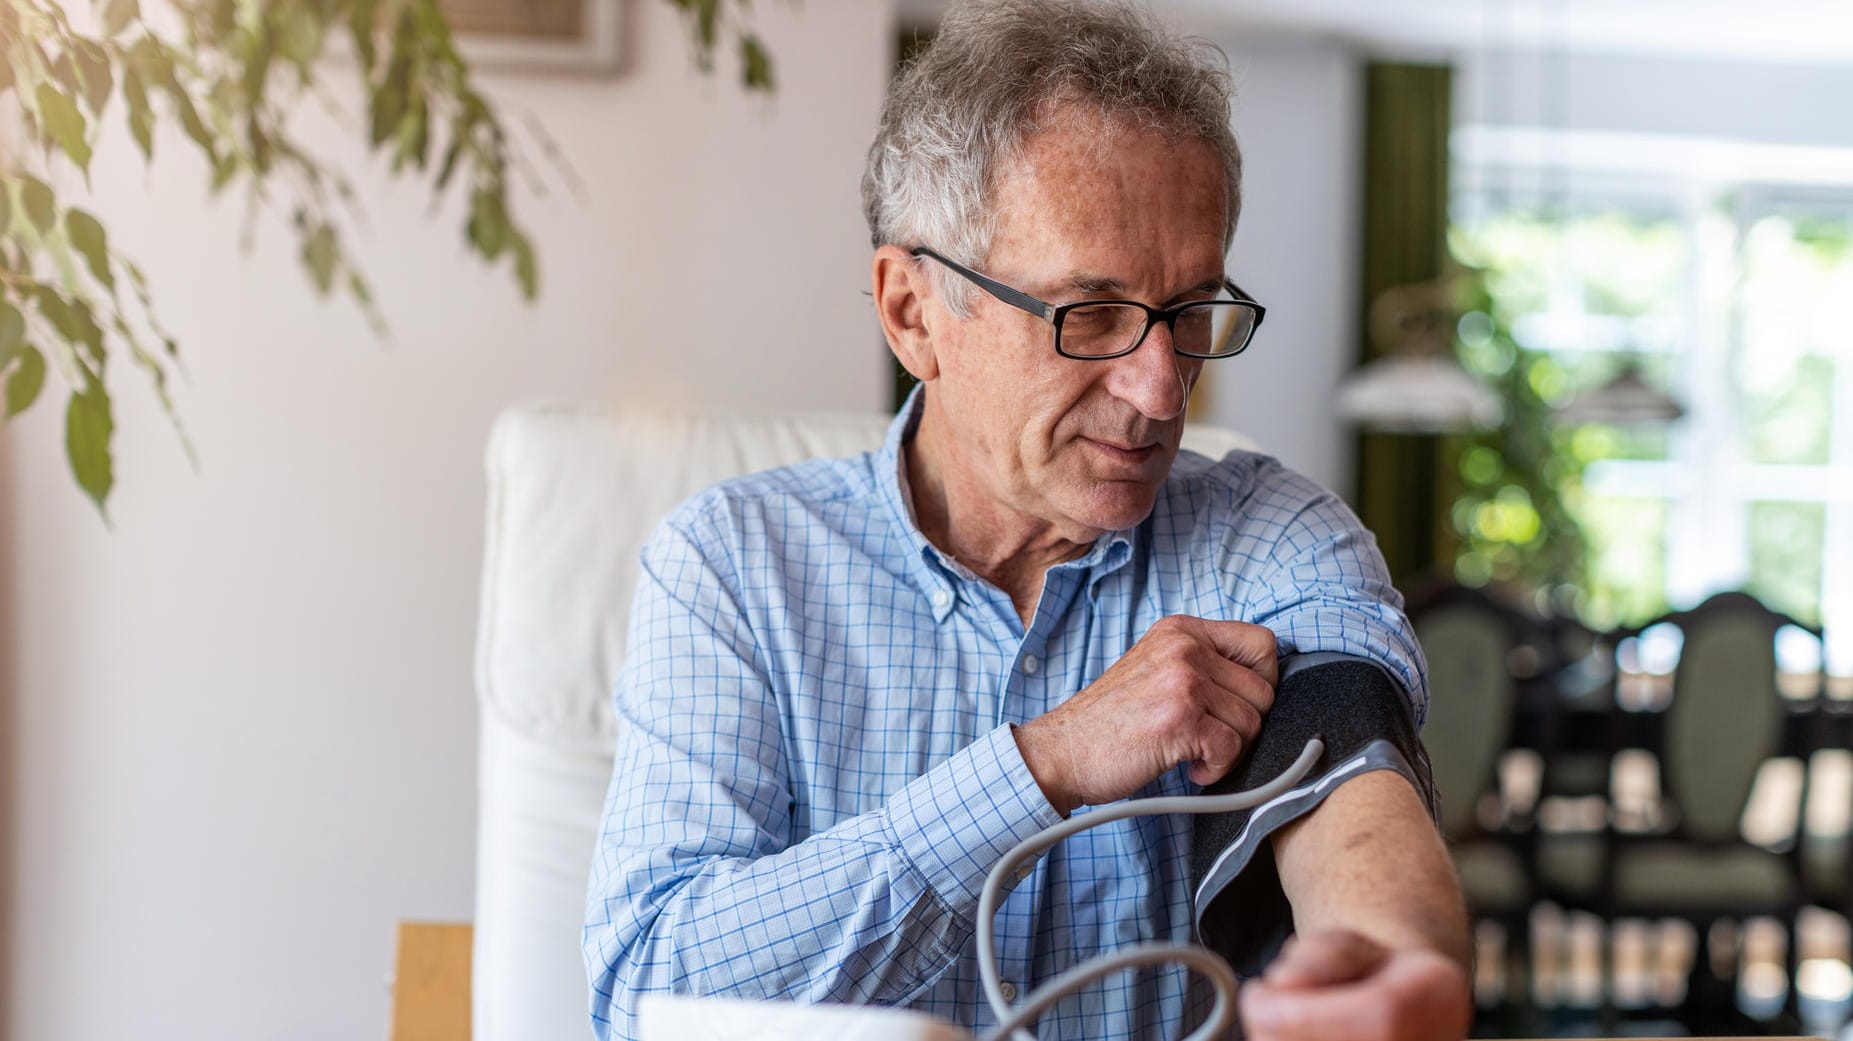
(431, 983)
(1724, 721)
(1469, 639)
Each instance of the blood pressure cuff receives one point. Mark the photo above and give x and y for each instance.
(1366, 722)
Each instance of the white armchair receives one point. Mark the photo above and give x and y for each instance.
(573, 493)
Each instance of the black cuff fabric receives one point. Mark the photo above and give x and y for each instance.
(1365, 720)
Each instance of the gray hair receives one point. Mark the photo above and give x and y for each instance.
(962, 111)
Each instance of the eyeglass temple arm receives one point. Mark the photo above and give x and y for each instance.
(1015, 298)
(1244, 296)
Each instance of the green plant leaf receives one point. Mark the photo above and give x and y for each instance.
(488, 227)
(41, 206)
(88, 427)
(302, 37)
(190, 122)
(451, 155)
(73, 321)
(65, 73)
(59, 116)
(224, 169)
(87, 332)
(363, 22)
(56, 311)
(12, 333)
(151, 60)
(141, 117)
(89, 239)
(22, 388)
(257, 65)
(93, 66)
(707, 25)
(527, 268)
(390, 100)
(755, 64)
(118, 15)
(319, 256)
(414, 137)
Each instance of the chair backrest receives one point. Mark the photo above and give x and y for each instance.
(1726, 714)
(573, 493)
(1471, 699)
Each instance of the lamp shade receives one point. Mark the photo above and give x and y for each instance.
(1426, 394)
(1625, 400)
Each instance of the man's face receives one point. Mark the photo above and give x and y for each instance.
(1089, 212)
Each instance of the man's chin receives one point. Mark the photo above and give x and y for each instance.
(1115, 505)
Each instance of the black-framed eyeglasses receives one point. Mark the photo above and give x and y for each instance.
(1094, 330)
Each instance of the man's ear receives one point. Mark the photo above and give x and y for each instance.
(900, 302)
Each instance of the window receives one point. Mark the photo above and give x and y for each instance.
(1734, 293)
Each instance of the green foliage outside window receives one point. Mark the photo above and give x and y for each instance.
(1523, 515)
(1740, 304)
(1510, 517)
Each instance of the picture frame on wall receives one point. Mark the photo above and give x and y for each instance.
(564, 36)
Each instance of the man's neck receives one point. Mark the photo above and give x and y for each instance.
(1006, 547)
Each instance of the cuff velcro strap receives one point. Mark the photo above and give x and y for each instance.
(1366, 723)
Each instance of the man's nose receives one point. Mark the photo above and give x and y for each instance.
(1152, 377)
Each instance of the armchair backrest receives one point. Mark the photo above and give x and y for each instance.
(1726, 715)
(1471, 700)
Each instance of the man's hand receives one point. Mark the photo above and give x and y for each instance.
(1192, 690)
(1337, 985)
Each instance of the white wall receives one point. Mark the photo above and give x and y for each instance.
(1298, 114)
(237, 730)
(1764, 102)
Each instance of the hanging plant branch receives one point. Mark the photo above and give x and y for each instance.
(229, 81)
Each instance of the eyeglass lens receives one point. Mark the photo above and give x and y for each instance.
(1213, 327)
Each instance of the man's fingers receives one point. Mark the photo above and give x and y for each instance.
(1221, 745)
(1412, 995)
(1323, 959)
(1248, 645)
(1240, 681)
(1352, 1012)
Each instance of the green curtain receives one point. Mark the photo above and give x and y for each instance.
(1405, 481)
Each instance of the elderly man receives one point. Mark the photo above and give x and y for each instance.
(853, 684)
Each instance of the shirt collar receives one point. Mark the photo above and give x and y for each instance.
(935, 574)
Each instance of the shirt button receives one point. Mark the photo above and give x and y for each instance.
(1010, 991)
(941, 598)
(1029, 665)
(1028, 869)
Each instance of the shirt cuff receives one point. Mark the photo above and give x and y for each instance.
(956, 820)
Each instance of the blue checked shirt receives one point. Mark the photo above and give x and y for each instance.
(817, 768)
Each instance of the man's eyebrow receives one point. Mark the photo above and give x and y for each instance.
(1085, 282)
(1090, 283)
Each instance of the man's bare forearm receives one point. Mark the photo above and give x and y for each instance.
(1369, 860)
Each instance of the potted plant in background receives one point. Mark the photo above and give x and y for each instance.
(228, 73)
